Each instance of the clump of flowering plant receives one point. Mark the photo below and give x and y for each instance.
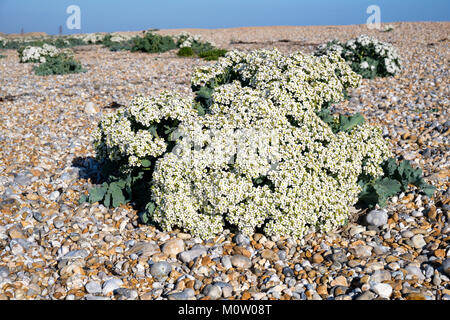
(254, 148)
(37, 54)
(367, 56)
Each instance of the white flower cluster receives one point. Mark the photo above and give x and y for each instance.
(38, 54)
(260, 156)
(185, 39)
(117, 136)
(119, 37)
(365, 53)
(92, 37)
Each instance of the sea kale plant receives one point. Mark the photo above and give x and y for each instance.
(253, 149)
(367, 56)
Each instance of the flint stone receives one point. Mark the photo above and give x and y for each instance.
(76, 254)
(377, 218)
(189, 255)
(144, 249)
(414, 270)
(212, 291)
(384, 290)
(240, 261)
(446, 266)
(111, 285)
(186, 294)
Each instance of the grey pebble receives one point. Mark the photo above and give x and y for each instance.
(213, 291)
(226, 262)
(414, 270)
(93, 287)
(58, 223)
(38, 216)
(76, 254)
(125, 293)
(186, 294)
(91, 297)
(111, 285)
(368, 295)
(376, 218)
(240, 261)
(241, 240)
(189, 255)
(446, 267)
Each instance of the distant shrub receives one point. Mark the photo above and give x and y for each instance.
(186, 52)
(58, 42)
(116, 42)
(153, 43)
(203, 49)
(2, 56)
(60, 64)
(68, 42)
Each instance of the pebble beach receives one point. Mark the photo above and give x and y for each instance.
(53, 248)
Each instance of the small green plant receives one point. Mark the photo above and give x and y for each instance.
(2, 56)
(213, 54)
(115, 191)
(60, 64)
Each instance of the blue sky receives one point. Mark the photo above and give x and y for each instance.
(132, 15)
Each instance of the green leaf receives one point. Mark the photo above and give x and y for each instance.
(107, 201)
(387, 187)
(368, 196)
(150, 207)
(347, 123)
(428, 189)
(144, 217)
(325, 115)
(200, 110)
(403, 168)
(152, 130)
(83, 199)
(97, 194)
(390, 166)
(205, 93)
(117, 195)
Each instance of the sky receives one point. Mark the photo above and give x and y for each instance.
(133, 15)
